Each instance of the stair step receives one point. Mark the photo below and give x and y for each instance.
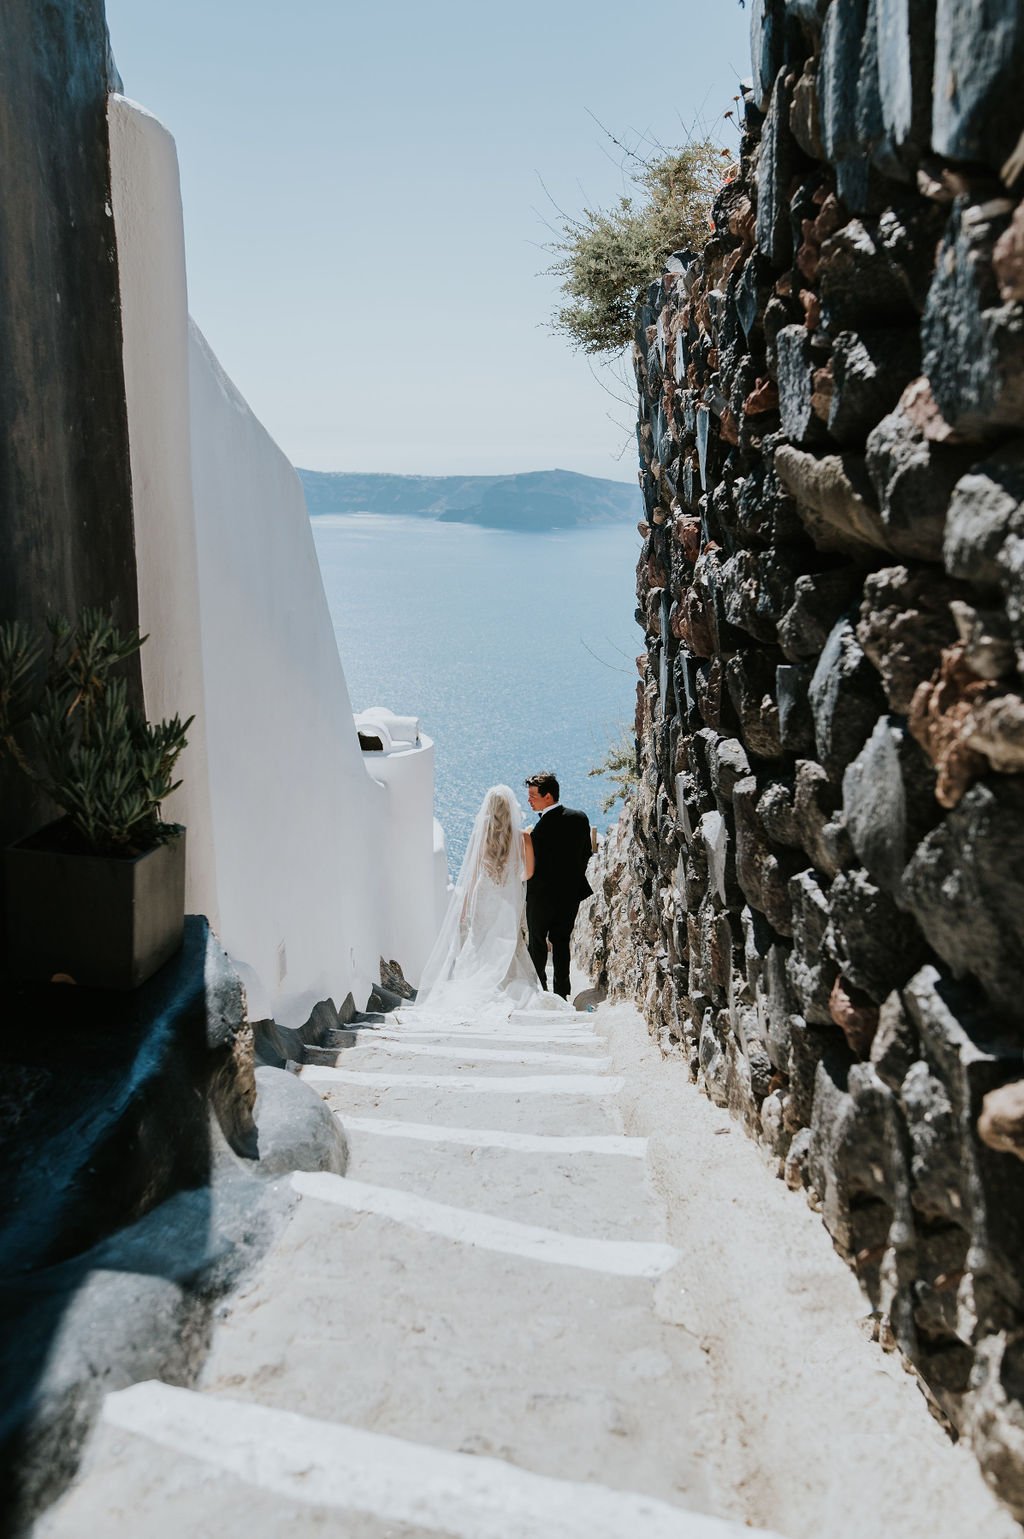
(342, 1469)
(463, 1054)
(533, 1084)
(491, 1138)
(617, 1258)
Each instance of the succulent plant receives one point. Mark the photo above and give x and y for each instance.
(66, 722)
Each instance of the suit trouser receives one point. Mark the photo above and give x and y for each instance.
(548, 919)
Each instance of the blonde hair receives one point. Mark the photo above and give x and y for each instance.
(498, 833)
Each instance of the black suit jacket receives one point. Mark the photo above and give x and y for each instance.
(561, 848)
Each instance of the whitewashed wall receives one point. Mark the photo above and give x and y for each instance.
(291, 845)
(146, 201)
(408, 848)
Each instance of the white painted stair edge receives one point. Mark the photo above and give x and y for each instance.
(526, 1084)
(330, 1465)
(616, 1258)
(445, 1050)
(486, 1138)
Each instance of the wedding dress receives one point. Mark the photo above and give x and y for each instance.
(479, 968)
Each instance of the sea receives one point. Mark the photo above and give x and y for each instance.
(517, 651)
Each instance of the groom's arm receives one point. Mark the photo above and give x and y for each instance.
(583, 838)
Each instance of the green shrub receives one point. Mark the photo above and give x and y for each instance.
(66, 722)
(620, 767)
(607, 258)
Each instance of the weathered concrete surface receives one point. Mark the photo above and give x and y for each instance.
(65, 482)
(494, 1330)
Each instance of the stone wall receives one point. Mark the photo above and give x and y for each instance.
(817, 894)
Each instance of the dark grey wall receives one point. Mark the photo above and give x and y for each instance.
(65, 492)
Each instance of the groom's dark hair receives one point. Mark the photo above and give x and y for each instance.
(546, 783)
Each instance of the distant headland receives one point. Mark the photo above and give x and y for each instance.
(531, 500)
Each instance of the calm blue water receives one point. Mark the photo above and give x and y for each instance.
(516, 651)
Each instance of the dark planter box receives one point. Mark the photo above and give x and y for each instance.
(106, 922)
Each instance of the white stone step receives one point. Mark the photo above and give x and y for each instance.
(334, 1469)
(504, 1103)
(568, 1372)
(489, 1138)
(533, 1242)
(582, 1187)
(485, 1038)
(388, 1048)
(467, 1084)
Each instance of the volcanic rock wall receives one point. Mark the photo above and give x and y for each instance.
(817, 894)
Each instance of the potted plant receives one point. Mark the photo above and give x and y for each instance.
(97, 896)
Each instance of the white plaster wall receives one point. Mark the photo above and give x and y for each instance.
(291, 846)
(146, 205)
(299, 825)
(408, 776)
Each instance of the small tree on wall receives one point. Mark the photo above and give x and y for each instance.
(607, 258)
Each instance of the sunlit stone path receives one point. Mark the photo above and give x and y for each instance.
(496, 1327)
(469, 1334)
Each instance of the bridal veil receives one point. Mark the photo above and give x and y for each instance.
(479, 966)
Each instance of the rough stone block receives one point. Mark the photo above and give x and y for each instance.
(295, 1129)
(805, 114)
(692, 801)
(913, 481)
(986, 507)
(888, 802)
(965, 886)
(858, 1165)
(896, 1044)
(765, 513)
(780, 157)
(973, 342)
(872, 135)
(906, 30)
(762, 871)
(725, 761)
(809, 13)
(796, 725)
(752, 294)
(984, 635)
(979, 66)
(966, 1054)
(905, 622)
(1001, 1123)
(766, 47)
(776, 1007)
(869, 373)
(758, 591)
(795, 371)
(875, 946)
(1008, 257)
(801, 814)
(846, 699)
(819, 599)
(864, 282)
(750, 679)
(811, 970)
(835, 501)
(839, 76)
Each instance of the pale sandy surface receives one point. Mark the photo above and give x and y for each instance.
(487, 1332)
(818, 1433)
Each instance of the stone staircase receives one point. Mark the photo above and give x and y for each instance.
(472, 1334)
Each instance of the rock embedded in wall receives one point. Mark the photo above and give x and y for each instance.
(815, 894)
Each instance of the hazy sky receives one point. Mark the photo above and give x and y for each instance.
(364, 214)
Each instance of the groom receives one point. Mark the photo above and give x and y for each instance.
(561, 849)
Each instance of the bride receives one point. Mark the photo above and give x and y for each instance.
(479, 966)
